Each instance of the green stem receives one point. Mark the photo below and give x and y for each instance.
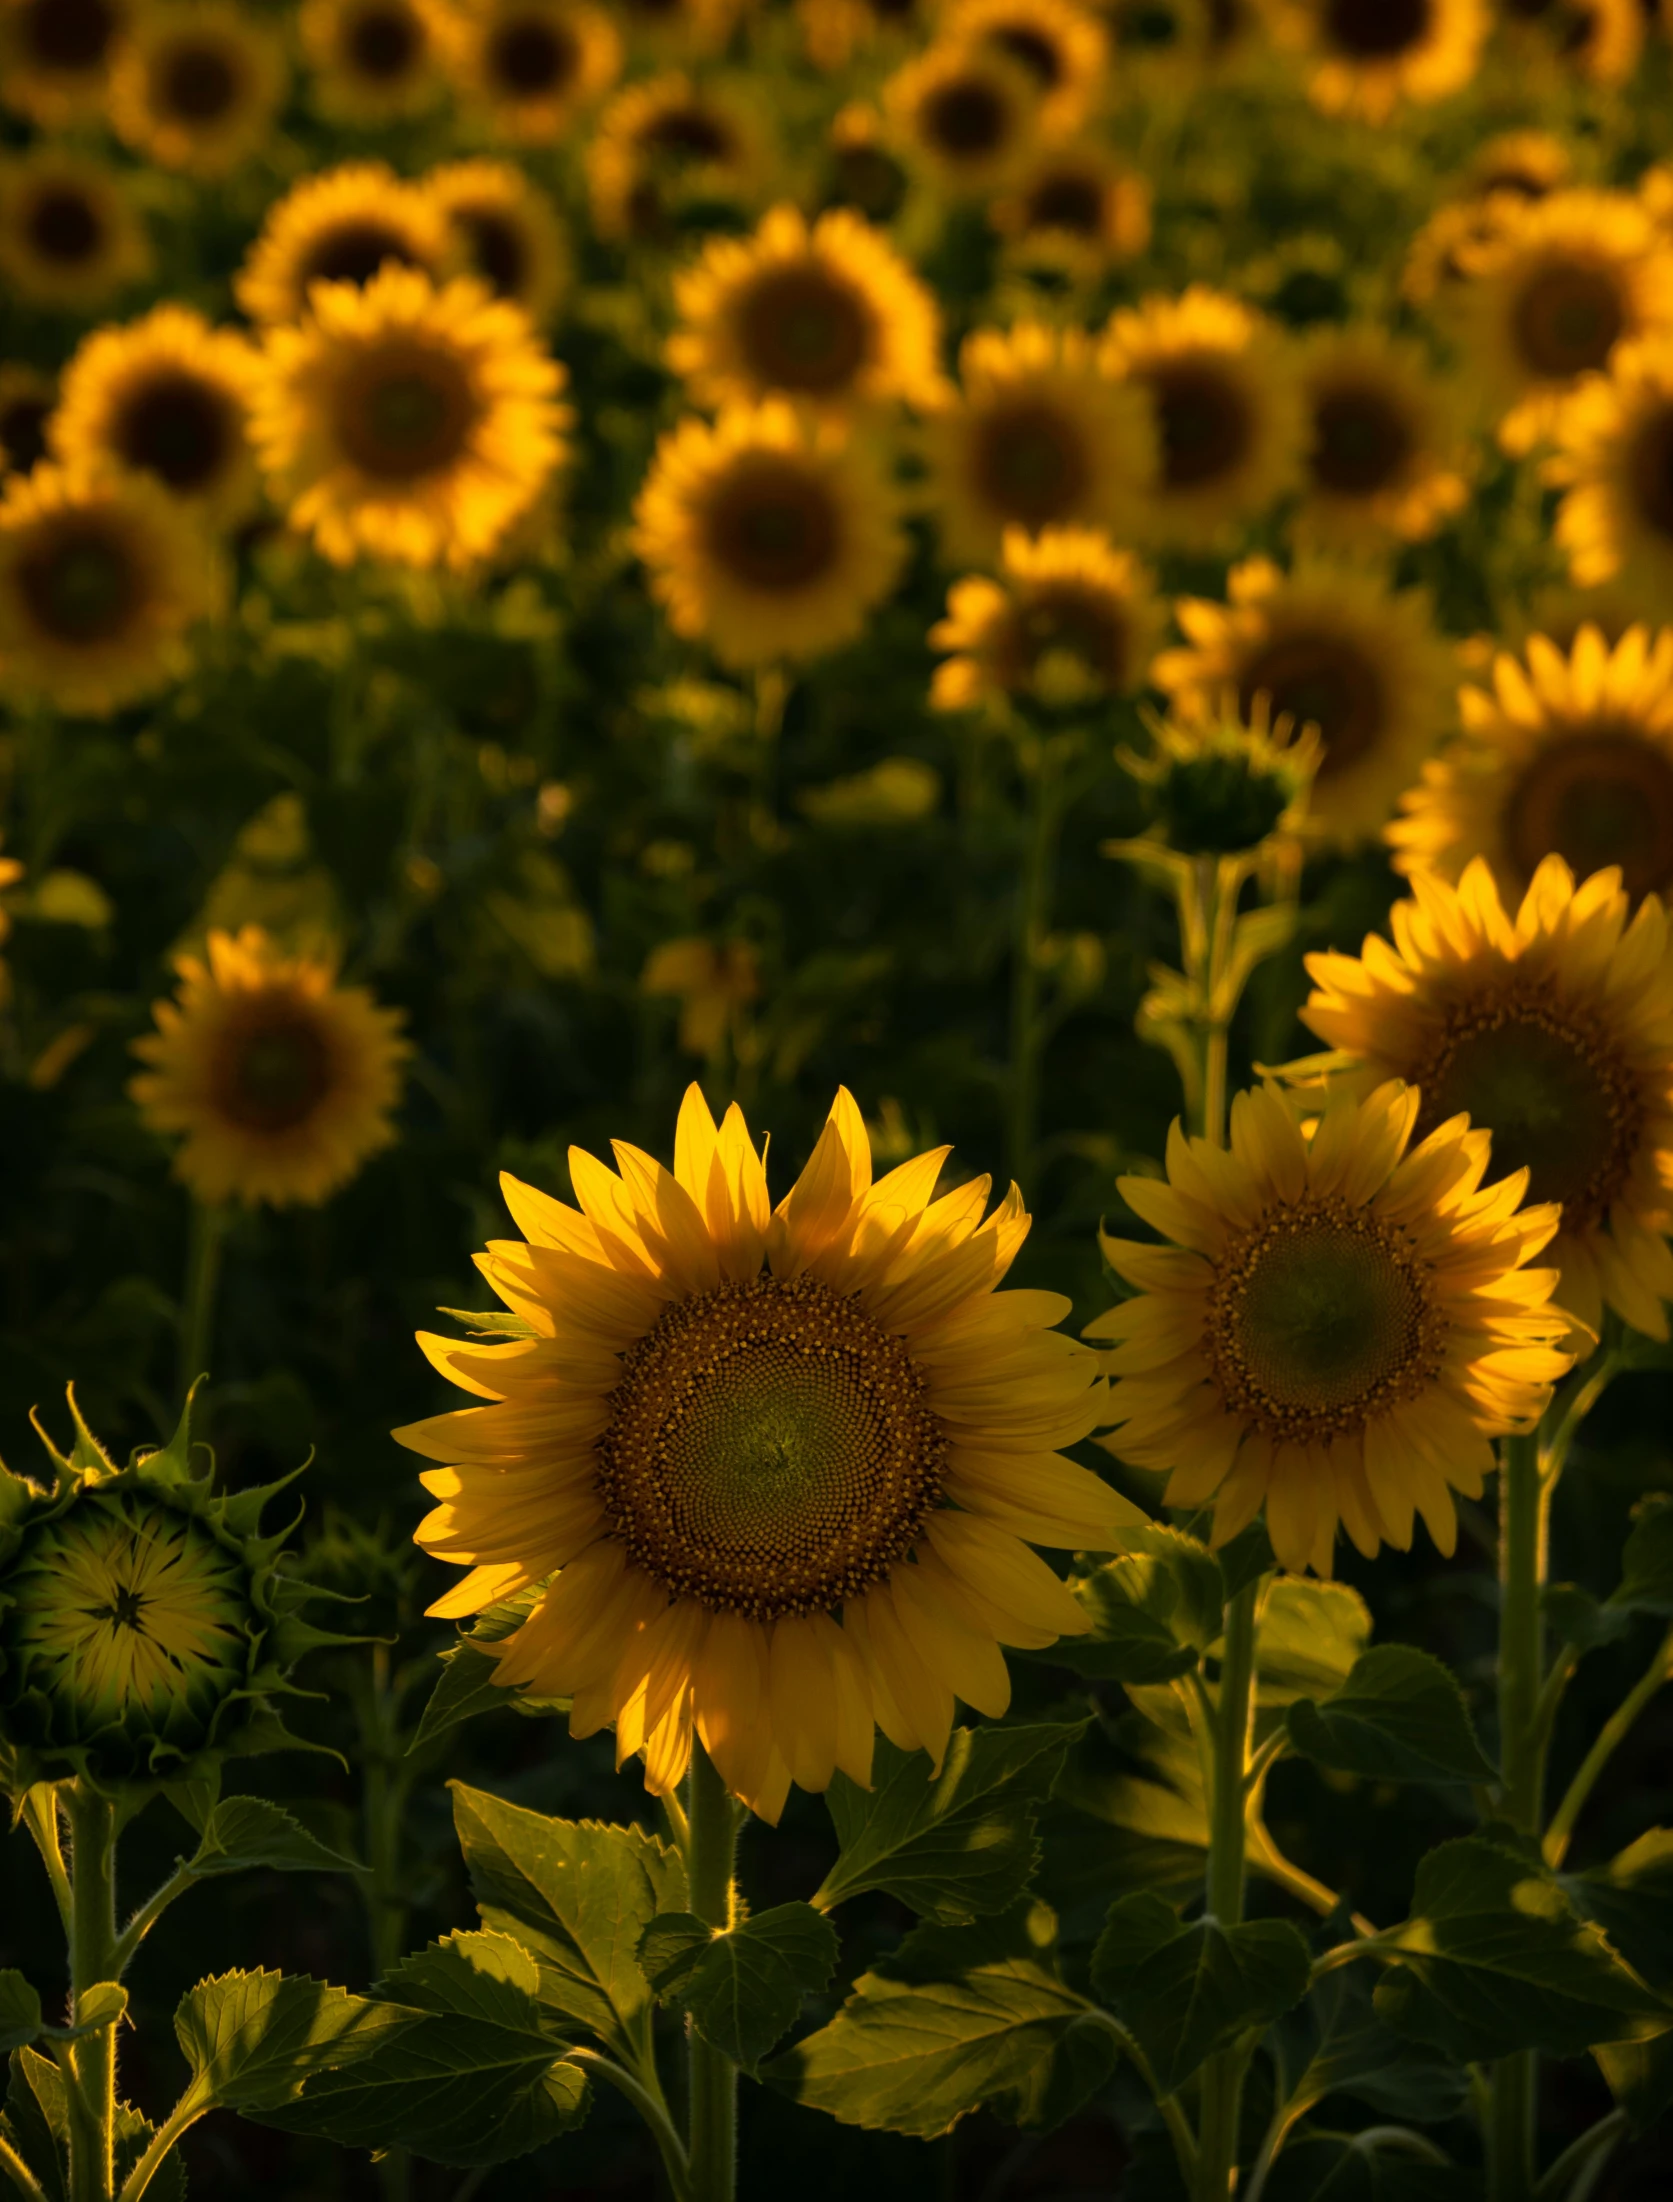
(383, 1800)
(650, 2107)
(713, 1822)
(1610, 1736)
(1581, 2164)
(203, 1276)
(147, 1916)
(1033, 921)
(1222, 2087)
(92, 1960)
(1222, 885)
(18, 2172)
(186, 2112)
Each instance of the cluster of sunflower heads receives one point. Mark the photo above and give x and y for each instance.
(148, 1628)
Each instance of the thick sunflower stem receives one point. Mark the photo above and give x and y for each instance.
(710, 1854)
(203, 1277)
(92, 1960)
(1222, 2089)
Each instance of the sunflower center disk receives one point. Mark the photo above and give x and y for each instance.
(64, 227)
(496, 248)
(174, 427)
(273, 1078)
(383, 43)
(1319, 681)
(1203, 424)
(531, 58)
(353, 252)
(72, 35)
(1320, 1318)
(1360, 443)
(1069, 202)
(769, 1450)
(406, 413)
(801, 331)
(1568, 319)
(773, 526)
(81, 587)
(1031, 464)
(1599, 798)
(1651, 470)
(1069, 623)
(966, 120)
(198, 83)
(1377, 30)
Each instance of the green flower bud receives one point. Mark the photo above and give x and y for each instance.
(1222, 784)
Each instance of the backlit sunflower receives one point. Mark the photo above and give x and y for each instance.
(1368, 56)
(1039, 436)
(1230, 426)
(860, 170)
(279, 1081)
(55, 57)
(101, 582)
(1075, 207)
(1388, 453)
(533, 66)
(1551, 1025)
(1550, 295)
(167, 396)
(965, 115)
(508, 231)
(1440, 258)
(826, 312)
(668, 150)
(375, 61)
(782, 1466)
(196, 87)
(835, 30)
(1530, 164)
(1062, 48)
(1570, 751)
(26, 401)
(408, 422)
(769, 535)
(1069, 607)
(1597, 39)
(1338, 1327)
(341, 226)
(1614, 459)
(69, 234)
(1334, 647)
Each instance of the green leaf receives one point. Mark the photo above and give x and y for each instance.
(956, 2019)
(1184, 1992)
(580, 1896)
(1311, 1635)
(1335, 2043)
(20, 2011)
(251, 2039)
(743, 1988)
(471, 2077)
(248, 1831)
(1400, 1716)
(466, 1685)
(1631, 1899)
(955, 1847)
(1125, 1814)
(102, 2005)
(1154, 1610)
(1640, 2077)
(1496, 1959)
(1646, 1584)
(1369, 2167)
(1246, 1559)
(36, 2120)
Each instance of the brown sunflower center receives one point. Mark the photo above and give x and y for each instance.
(176, 426)
(1567, 318)
(274, 1074)
(384, 43)
(1030, 462)
(965, 119)
(1601, 797)
(773, 524)
(1320, 680)
(195, 81)
(688, 136)
(803, 329)
(1361, 440)
(81, 582)
(1082, 623)
(1321, 1317)
(1377, 30)
(73, 36)
(405, 411)
(23, 432)
(352, 251)
(1034, 53)
(1551, 1087)
(769, 1450)
(1650, 471)
(64, 225)
(1068, 201)
(866, 177)
(497, 246)
(1203, 421)
(532, 57)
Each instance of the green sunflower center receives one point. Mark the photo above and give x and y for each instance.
(1568, 318)
(1031, 463)
(1081, 623)
(273, 1075)
(769, 1450)
(1321, 680)
(1601, 797)
(1360, 441)
(1203, 421)
(81, 583)
(802, 329)
(406, 411)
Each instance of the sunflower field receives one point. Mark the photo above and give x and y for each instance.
(911, 762)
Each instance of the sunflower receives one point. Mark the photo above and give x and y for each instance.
(1530, 164)
(1599, 39)
(376, 61)
(769, 534)
(1333, 647)
(782, 1467)
(1039, 436)
(1075, 207)
(1065, 595)
(1061, 48)
(69, 236)
(1614, 458)
(1441, 256)
(101, 581)
(167, 396)
(1551, 1025)
(197, 87)
(55, 57)
(1550, 295)
(1571, 751)
(1387, 449)
(677, 30)
(860, 170)
(532, 66)
(508, 231)
(1230, 424)
(27, 398)
(338, 227)
(828, 313)
(281, 1082)
(1367, 56)
(834, 31)
(667, 150)
(1338, 1327)
(965, 115)
(406, 422)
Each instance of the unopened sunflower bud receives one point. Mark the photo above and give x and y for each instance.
(1224, 782)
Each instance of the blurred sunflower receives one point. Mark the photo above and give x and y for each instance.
(964, 115)
(1601, 40)
(280, 1081)
(1069, 608)
(768, 535)
(1388, 451)
(55, 57)
(375, 61)
(1529, 164)
(1337, 1329)
(678, 30)
(508, 231)
(834, 31)
(533, 66)
(101, 582)
(408, 422)
(828, 313)
(1549, 296)
(732, 1424)
(1367, 56)
(27, 398)
(70, 237)
(1075, 207)
(714, 984)
(1551, 1025)
(340, 226)
(1614, 459)
(667, 148)
(1230, 425)
(1334, 647)
(1062, 48)
(1570, 751)
(167, 396)
(1039, 436)
(1440, 258)
(197, 87)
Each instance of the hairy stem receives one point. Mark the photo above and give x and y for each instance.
(710, 1855)
(203, 1277)
(1610, 1736)
(650, 2107)
(92, 1960)
(1222, 2087)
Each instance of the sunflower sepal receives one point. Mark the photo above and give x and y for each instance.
(469, 1680)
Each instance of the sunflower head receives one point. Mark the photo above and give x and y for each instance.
(672, 155)
(1061, 49)
(375, 61)
(147, 1626)
(342, 226)
(1075, 207)
(1615, 460)
(70, 238)
(55, 57)
(966, 115)
(1071, 621)
(532, 65)
(508, 232)
(1224, 778)
(197, 87)
(1368, 56)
